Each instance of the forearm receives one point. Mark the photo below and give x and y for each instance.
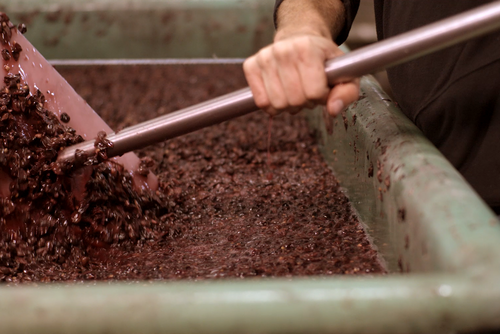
(321, 17)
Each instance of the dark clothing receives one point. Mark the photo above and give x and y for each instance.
(452, 95)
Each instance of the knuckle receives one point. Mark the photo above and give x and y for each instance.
(281, 53)
(302, 48)
(261, 101)
(303, 41)
(305, 48)
(264, 58)
(252, 74)
(249, 64)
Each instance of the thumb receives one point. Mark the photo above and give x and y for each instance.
(341, 96)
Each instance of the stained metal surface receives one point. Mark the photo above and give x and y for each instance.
(66, 29)
(422, 214)
(424, 218)
(416, 304)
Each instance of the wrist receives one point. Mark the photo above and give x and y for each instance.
(324, 18)
(285, 32)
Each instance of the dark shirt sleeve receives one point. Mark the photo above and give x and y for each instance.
(351, 8)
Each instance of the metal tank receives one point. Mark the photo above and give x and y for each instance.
(440, 241)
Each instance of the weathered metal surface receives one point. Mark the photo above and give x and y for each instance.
(144, 28)
(415, 304)
(423, 215)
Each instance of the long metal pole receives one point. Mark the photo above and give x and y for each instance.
(145, 61)
(366, 60)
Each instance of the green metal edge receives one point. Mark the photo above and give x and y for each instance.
(421, 213)
(63, 29)
(447, 233)
(413, 304)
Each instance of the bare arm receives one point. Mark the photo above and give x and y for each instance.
(322, 17)
(290, 73)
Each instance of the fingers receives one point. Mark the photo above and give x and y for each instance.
(311, 67)
(273, 85)
(290, 79)
(254, 78)
(290, 75)
(341, 96)
(276, 85)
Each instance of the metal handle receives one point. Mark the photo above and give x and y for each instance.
(384, 54)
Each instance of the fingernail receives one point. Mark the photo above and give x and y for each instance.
(336, 107)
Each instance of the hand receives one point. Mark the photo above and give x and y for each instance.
(290, 75)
